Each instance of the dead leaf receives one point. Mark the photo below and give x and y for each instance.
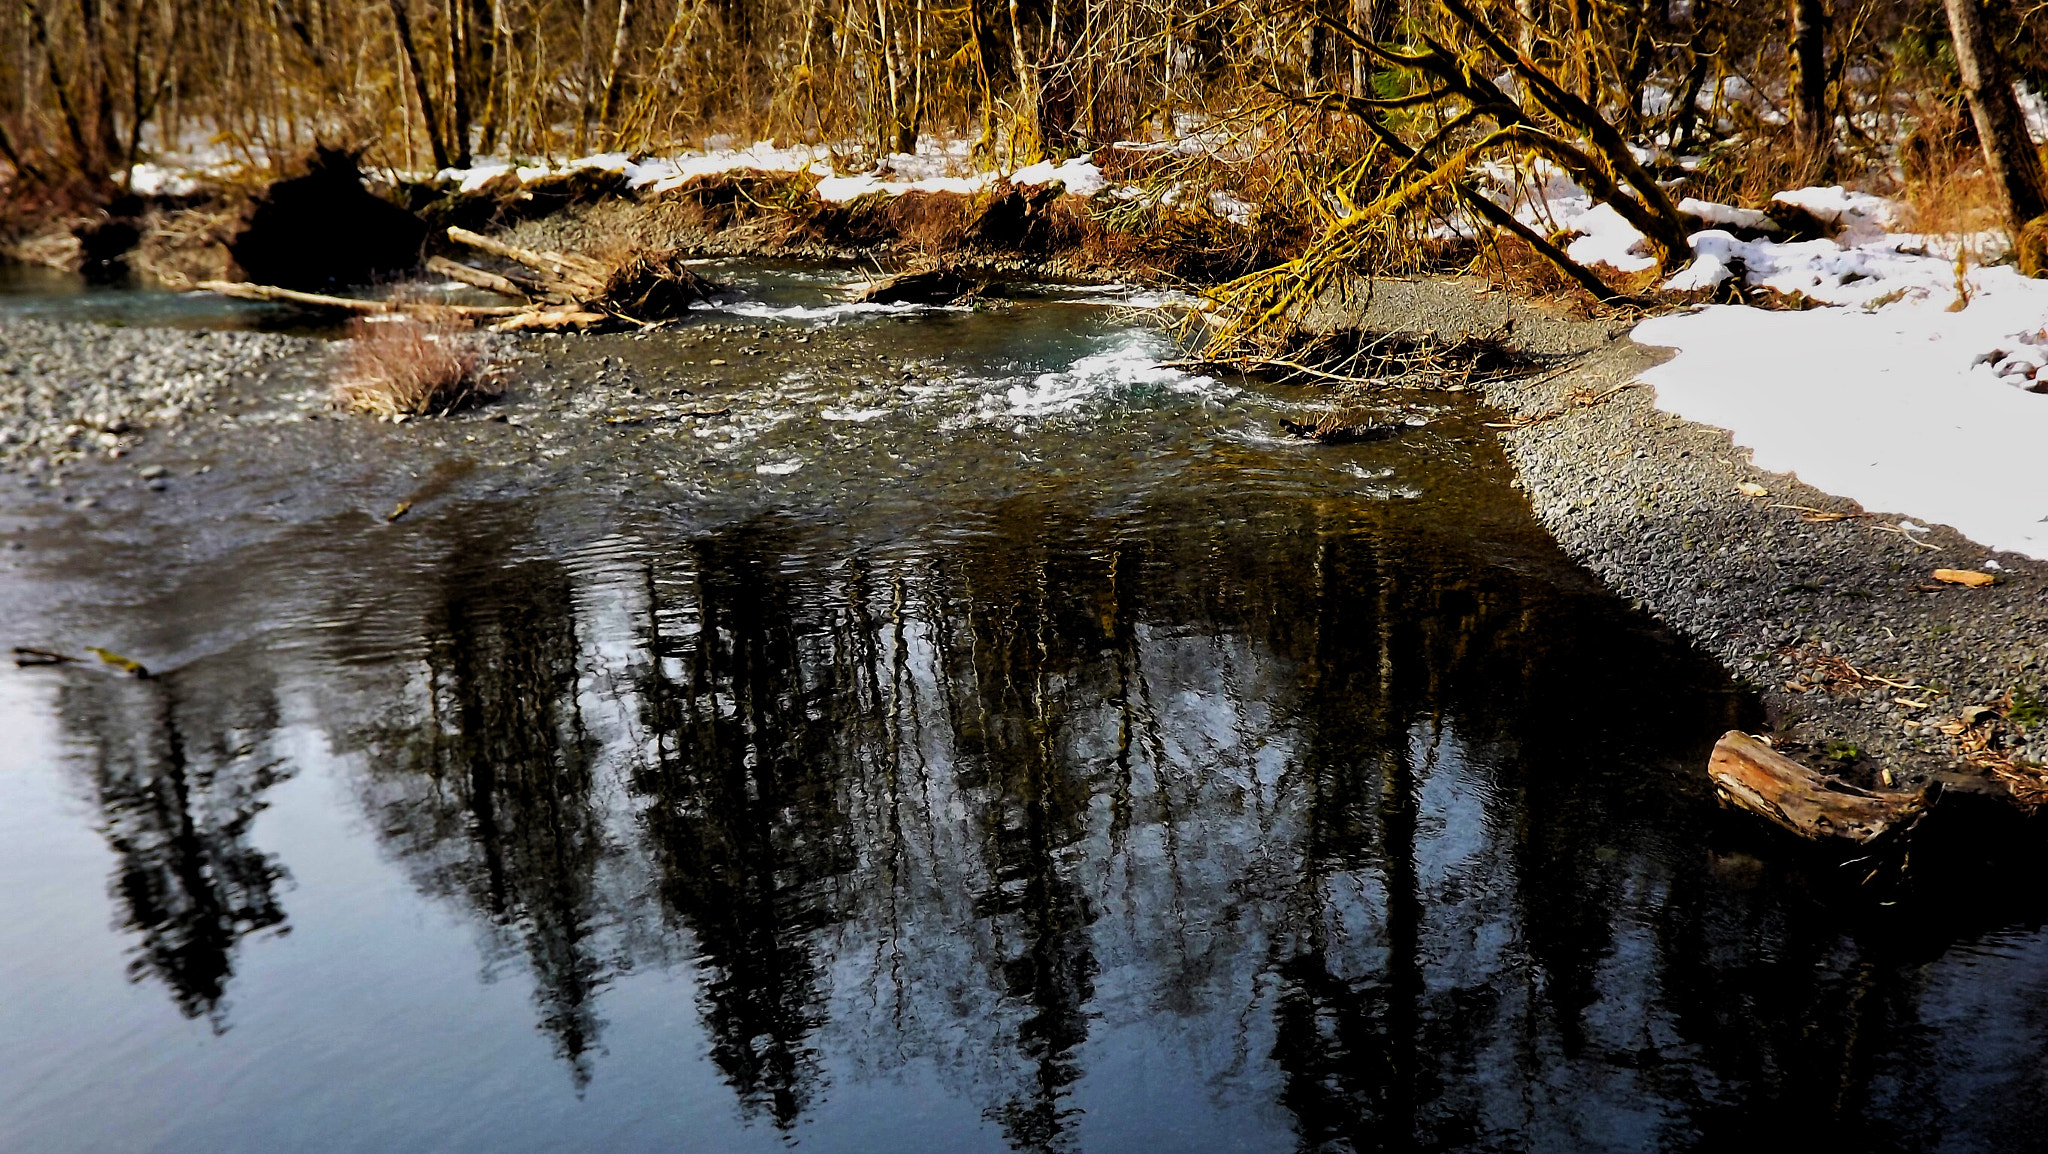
(1969, 577)
(401, 510)
(126, 665)
(1752, 489)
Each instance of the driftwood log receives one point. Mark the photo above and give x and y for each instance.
(561, 291)
(242, 290)
(565, 276)
(1752, 776)
(476, 277)
(938, 285)
(580, 293)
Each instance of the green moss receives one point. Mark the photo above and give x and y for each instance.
(2026, 710)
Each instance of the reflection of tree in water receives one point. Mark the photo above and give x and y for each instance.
(742, 800)
(489, 796)
(1104, 713)
(1028, 637)
(178, 769)
(1339, 817)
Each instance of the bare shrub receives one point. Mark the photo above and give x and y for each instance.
(408, 367)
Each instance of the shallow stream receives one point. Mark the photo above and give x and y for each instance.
(897, 730)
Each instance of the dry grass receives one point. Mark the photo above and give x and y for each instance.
(414, 368)
(1962, 202)
(1511, 264)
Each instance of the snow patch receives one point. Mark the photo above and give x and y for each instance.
(1608, 239)
(1079, 175)
(939, 165)
(1856, 217)
(1726, 215)
(1902, 405)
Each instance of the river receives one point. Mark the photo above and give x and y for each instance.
(907, 729)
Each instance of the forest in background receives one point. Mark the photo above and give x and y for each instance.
(1356, 113)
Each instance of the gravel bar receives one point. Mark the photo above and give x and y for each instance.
(72, 390)
(1866, 665)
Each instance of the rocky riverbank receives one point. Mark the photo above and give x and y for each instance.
(1867, 665)
(69, 390)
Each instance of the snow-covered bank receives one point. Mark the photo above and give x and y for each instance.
(940, 165)
(1907, 386)
(1888, 408)
(1908, 390)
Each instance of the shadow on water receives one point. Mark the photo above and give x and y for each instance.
(1223, 808)
(1318, 802)
(177, 770)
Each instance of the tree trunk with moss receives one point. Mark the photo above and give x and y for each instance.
(2009, 153)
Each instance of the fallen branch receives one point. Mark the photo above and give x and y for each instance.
(1813, 516)
(243, 290)
(476, 277)
(1252, 364)
(574, 276)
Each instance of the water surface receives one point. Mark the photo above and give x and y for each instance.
(923, 730)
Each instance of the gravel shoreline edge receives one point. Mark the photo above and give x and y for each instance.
(1866, 666)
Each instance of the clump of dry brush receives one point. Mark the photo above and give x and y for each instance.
(398, 367)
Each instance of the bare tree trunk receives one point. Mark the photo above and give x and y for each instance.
(615, 71)
(459, 74)
(1027, 88)
(1360, 16)
(891, 136)
(101, 77)
(403, 23)
(81, 151)
(583, 77)
(497, 89)
(1810, 120)
(2008, 151)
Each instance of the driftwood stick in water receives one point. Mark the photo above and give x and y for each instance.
(1752, 776)
(579, 276)
(475, 277)
(243, 290)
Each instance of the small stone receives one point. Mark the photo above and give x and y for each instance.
(152, 472)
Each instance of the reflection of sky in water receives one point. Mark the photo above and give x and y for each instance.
(1135, 784)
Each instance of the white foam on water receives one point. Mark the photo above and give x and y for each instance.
(760, 310)
(780, 468)
(855, 415)
(1131, 363)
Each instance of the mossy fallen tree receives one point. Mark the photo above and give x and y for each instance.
(1453, 113)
